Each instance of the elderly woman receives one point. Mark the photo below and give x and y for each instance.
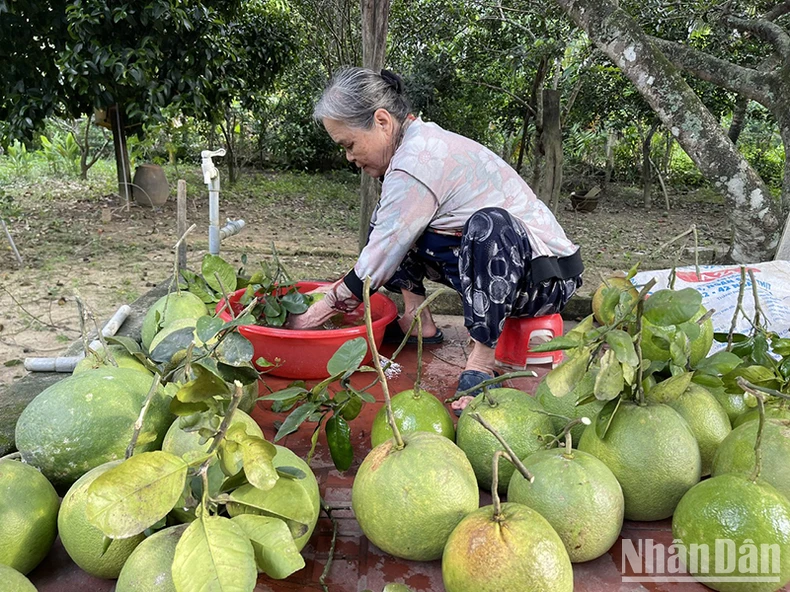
(450, 211)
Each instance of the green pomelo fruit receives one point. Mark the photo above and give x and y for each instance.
(706, 418)
(176, 325)
(148, 567)
(86, 420)
(13, 581)
(296, 500)
(745, 528)
(566, 406)
(605, 317)
(736, 453)
(84, 542)
(699, 346)
(170, 308)
(28, 516)
(578, 495)
(733, 404)
(519, 552)
(776, 411)
(100, 358)
(408, 501)
(517, 417)
(654, 455)
(413, 413)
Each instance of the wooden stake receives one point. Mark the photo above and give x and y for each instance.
(182, 223)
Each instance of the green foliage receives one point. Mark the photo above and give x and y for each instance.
(62, 152)
(21, 160)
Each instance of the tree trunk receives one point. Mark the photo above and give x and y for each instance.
(738, 119)
(754, 213)
(537, 84)
(117, 119)
(647, 173)
(611, 141)
(375, 16)
(552, 147)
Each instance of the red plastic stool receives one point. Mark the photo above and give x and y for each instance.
(512, 349)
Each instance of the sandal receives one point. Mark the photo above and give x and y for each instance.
(469, 379)
(394, 334)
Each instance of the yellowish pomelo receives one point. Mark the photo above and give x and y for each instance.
(516, 552)
(736, 453)
(84, 542)
(517, 417)
(13, 581)
(100, 358)
(414, 412)
(621, 284)
(170, 308)
(407, 501)
(28, 516)
(148, 567)
(744, 527)
(654, 455)
(578, 495)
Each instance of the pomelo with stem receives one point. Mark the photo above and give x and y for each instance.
(411, 491)
(578, 495)
(505, 548)
(415, 410)
(748, 514)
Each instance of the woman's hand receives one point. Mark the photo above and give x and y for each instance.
(337, 299)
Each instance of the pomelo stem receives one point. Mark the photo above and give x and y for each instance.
(495, 483)
(513, 458)
(225, 296)
(138, 425)
(491, 382)
(399, 444)
(749, 388)
(640, 391)
(417, 313)
(418, 379)
(238, 393)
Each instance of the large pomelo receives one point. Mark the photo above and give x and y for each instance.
(736, 453)
(407, 501)
(414, 412)
(733, 404)
(654, 455)
(518, 551)
(99, 358)
(700, 346)
(84, 542)
(86, 420)
(621, 285)
(567, 407)
(170, 308)
(148, 568)
(295, 499)
(706, 418)
(13, 581)
(28, 515)
(578, 495)
(773, 411)
(517, 417)
(742, 526)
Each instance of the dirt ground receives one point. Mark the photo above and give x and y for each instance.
(108, 256)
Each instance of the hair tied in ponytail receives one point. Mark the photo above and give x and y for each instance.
(393, 80)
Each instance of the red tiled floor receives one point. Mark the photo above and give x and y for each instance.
(357, 564)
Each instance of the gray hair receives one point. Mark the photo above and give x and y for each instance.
(355, 94)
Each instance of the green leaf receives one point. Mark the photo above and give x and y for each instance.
(126, 342)
(288, 501)
(180, 408)
(137, 493)
(672, 307)
(348, 357)
(214, 555)
(205, 386)
(562, 379)
(721, 362)
(215, 264)
(338, 436)
(207, 327)
(623, 347)
(275, 551)
(294, 302)
(584, 325)
(295, 419)
(235, 350)
(606, 416)
(258, 455)
(285, 394)
(609, 383)
(557, 343)
(291, 472)
(668, 391)
(177, 341)
(707, 380)
(351, 408)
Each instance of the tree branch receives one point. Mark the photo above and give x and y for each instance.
(765, 30)
(777, 11)
(516, 98)
(757, 86)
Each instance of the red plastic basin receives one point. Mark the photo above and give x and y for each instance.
(304, 354)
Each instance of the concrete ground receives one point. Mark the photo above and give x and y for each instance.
(357, 563)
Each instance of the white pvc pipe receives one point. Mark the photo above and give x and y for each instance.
(68, 363)
(231, 228)
(213, 217)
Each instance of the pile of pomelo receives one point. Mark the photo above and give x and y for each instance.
(638, 423)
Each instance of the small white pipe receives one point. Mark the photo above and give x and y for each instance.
(13, 246)
(211, 178)
(68, 363)
(231, 228)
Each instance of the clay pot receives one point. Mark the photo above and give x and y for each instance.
(150, 186)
